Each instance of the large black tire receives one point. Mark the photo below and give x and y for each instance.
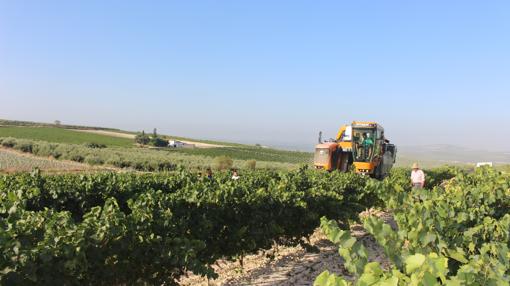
(378, 172)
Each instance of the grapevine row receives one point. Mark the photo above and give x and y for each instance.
(456, 233)
(126, 228)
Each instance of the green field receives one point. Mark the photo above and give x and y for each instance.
(142, 159)
(180, 221)
(12, 161)
(132, 228)
(454, 232)
(244, 152)
(17, 123)
(151, 229)
(121, 152)
(60, 135)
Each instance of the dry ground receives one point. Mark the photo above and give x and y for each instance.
(291, 265)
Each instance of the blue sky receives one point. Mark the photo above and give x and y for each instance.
(270, 72)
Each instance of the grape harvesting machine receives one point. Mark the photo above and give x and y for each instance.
(362, 145)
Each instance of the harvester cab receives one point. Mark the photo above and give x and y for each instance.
(335, 154)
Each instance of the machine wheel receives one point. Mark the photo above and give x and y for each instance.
(344, 162)
(378, 172)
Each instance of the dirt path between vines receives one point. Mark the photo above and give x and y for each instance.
(292, 265)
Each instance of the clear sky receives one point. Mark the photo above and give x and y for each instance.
(270, 72)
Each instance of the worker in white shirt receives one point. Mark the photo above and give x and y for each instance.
(235, 175)
(417, 177)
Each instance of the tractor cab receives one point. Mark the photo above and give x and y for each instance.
(365, 144)
(367, 141)
(324, 157)
(336, 153)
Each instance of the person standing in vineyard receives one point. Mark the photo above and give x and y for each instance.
(417, 177)
(235, 175)
(208, 174)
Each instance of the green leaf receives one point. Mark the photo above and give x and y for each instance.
(429, 279)
(349, 242)
(322, 279)
(373, 268)
(427, 238)
(414, 262)
(458, 255)
(371, 274)
(392, 281)
(329, 279)
(367, 279)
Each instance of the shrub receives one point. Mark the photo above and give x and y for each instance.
(46, 149)
(142, 139)
(77, 158)
(94, 160)
(223, 163)
(8, 142)
(138, 165)
(55, 153)
(63, 151)
(251, 164)
(94, 145)
(24, 146)
(166, 166)
(41, 149)
(118, 162)
(158, 142)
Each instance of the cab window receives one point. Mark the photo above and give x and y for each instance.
(321, 156)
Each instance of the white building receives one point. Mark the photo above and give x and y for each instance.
(480, 164)
(179, 144)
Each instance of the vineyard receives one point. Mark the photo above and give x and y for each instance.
(61, 135)
(126, 228)
(144, 159)
(457, 233)
(12, 161)
(112, 228)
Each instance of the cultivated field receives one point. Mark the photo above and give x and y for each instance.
(123, 229)
(197, 144)
(161, 222)
(60, 135)
(13, 161)
(117, 149)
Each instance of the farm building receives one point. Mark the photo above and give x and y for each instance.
(179, 144)
(481, 164)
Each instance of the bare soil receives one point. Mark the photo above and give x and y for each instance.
(107, 133)
(285, 266)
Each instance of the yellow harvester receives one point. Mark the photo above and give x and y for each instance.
(362, 145)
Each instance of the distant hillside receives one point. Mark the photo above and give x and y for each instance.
(427, 155)
(114, 140)
(62, 135)
(6, 122)
(20, 123)
(440, 154)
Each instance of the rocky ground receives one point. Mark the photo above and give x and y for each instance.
(285, 266)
